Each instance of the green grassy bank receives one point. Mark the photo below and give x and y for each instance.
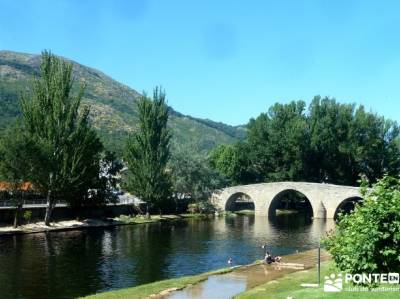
(143, 291)
(289, 286)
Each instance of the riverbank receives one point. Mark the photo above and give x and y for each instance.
(251, 281)
(158, 289)
(40, 227)
(217, 284)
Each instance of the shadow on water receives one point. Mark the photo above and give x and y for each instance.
(76, 263)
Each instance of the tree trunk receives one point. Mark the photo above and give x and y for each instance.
(49, 208)
(16, 215)
(18, 209)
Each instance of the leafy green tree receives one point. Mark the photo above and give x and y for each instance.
(234, 162)
(148, 152)
(67, 150)
(15, 165)
(13, 148)
(375, 146)
(330, 160)
(347, 142)
(103, 185)
(109, 178)
(367, 240)
(276, 148)
(287, 142)
(193, 179)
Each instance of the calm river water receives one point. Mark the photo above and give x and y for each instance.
(77, 263)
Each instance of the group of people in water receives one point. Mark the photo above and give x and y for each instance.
(267, 258)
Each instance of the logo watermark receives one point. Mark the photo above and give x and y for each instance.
(333, 283)
(356, 282)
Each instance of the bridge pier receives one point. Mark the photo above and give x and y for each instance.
(321, 212)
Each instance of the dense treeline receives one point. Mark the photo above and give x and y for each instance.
(330, 142)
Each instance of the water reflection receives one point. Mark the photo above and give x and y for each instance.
(214, 287)
(77, 263)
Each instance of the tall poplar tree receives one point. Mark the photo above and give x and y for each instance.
(148, 152)
(66, 150)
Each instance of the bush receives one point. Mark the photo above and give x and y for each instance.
(203, 207)
(368, 239)
(193, 208)
(27, 216)
(206, 207)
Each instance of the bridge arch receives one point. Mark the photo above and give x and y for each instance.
(239, 201)
(291, 198)
(347, 205)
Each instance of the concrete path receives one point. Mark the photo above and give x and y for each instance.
(248, 277)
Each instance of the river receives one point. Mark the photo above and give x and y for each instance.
(81, 262)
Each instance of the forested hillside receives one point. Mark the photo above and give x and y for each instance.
(113, 106)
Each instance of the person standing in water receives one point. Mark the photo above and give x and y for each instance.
(230, 261)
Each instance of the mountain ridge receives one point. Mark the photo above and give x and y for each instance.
(113, 105)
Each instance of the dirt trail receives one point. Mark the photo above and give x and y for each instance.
(248, 277)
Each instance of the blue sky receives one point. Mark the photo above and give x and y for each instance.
(224, 60)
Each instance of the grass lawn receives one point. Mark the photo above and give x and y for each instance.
(289, 287)
(143, 291)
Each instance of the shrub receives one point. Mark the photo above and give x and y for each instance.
(126, 218)
(368, 239)
(193, 208)
(206, 207)
(27, 216)
(203, 207)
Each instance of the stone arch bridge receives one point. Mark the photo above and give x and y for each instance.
(325, 199)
